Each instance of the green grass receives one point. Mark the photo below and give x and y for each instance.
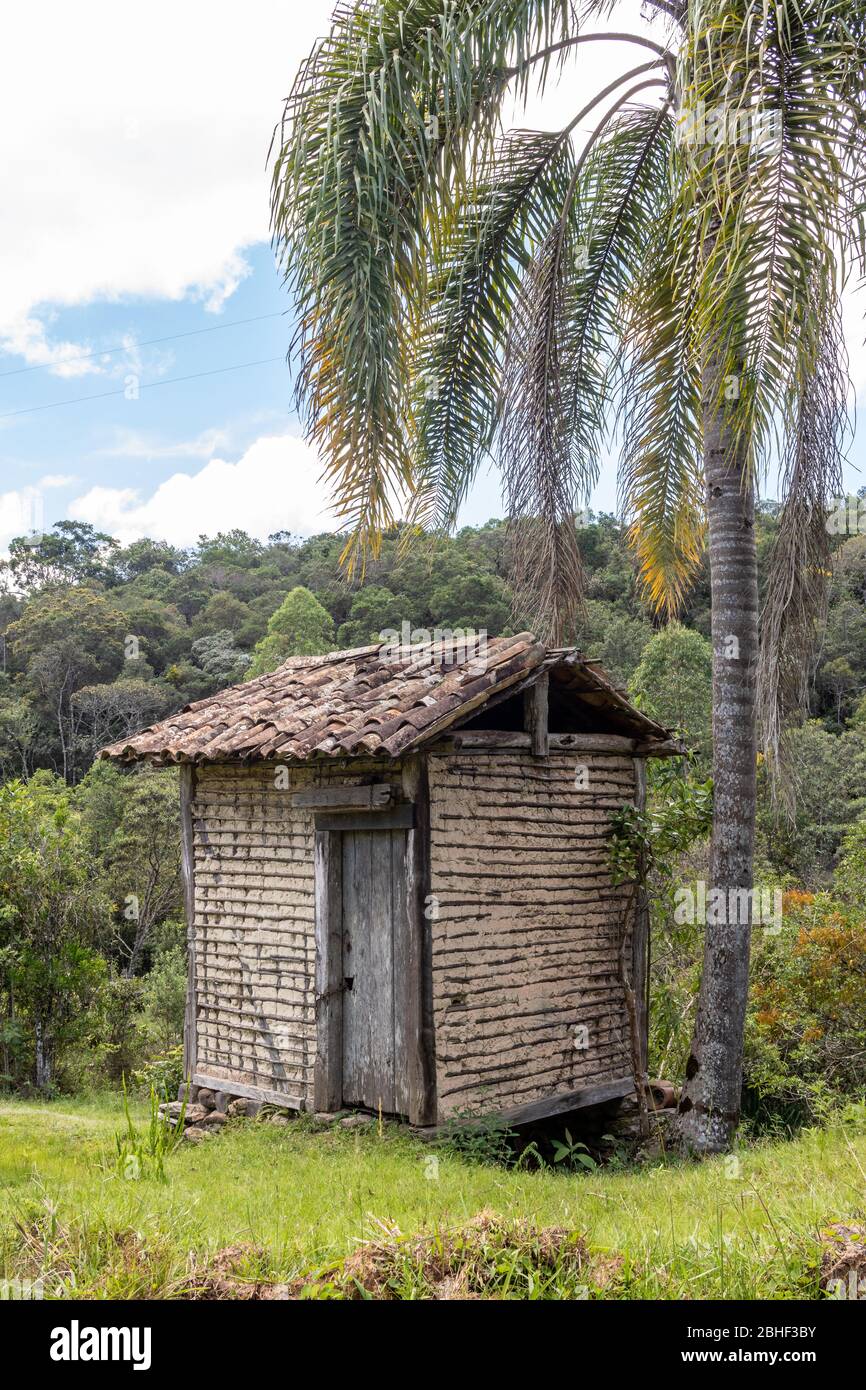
(305, 1198)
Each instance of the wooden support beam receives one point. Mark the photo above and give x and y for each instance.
(641, 932)
(560, 1104)
(401, 817)
(535, 715)
(243, 1088)
(328, 1069)
(354, 798)
(419, 1023)
(502, 738)
(187, 849)
(579, 743)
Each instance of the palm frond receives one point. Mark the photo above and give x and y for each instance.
(484, 247)
(661, 466)
(801, 559)
(534, 446)
(766, 191)
(559, 355)
(383, 123)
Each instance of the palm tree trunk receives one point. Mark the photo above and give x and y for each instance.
(710, 1105)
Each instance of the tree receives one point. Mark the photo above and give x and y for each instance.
(673, 683)
(221, 658)
(67, 638)
(623, 644)
(132, 821)
(374, 610)
(72, 552)
(142, 556)
(831, 793)
(300, 627)
(50, 916)
(458, 292)
(117, 709)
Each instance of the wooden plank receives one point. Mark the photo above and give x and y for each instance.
(562, 1102)
(535, 716)
(187, 794)
(381, 985)
(420, 1036)
(400, 969)
(395, 818)
(641, 933)
(328, 1069)
(243, 1088)
(365, 798)
(660, 748)
(494, 739)
(357, 850)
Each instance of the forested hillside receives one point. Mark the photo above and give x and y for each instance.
(100, 639)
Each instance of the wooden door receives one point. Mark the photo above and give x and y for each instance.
(375, 977)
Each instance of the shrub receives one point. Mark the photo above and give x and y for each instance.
(806, 1028)
(162, 1075)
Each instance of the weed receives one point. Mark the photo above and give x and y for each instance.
(143, 1155)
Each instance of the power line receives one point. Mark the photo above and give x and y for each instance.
(144, 342)
(147, 386)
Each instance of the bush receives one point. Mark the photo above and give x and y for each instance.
(163, 1075)
(164, 997)
(806, 1027)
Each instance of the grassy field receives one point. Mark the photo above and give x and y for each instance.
(296, 1199)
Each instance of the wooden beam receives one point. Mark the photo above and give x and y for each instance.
(660, 748)
(328, 1069)
(535, 715)
(243, 1088)
(187, 849)
(502, 738)
(419, 1024)
(560, 1104)
(641, 932)
(400, 817)
(364, 798)
(569, 1100)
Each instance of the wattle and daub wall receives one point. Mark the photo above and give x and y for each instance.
(523, 924)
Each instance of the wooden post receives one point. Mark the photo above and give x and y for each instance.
(641, 932)
(187, 796)
(419, 1023)
(328, 1070)
(535, 715)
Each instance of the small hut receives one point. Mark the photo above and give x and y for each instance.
(396, 884)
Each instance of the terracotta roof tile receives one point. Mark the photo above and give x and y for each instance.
(371, 699)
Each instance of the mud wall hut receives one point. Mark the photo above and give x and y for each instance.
(396, 885)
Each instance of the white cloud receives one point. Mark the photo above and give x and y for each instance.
(274, 486)
(53, 480)
(132, 444)
(133, 152)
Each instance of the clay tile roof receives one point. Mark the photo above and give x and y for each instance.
(378, 699)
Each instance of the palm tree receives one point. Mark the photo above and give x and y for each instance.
(462, 290)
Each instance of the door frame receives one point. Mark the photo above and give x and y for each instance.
(413, 815)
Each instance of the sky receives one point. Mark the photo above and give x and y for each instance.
(135, 208)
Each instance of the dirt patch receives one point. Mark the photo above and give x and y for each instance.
(843, 1258)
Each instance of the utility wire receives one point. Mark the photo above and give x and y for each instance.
(147, 386)
(144, 342)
